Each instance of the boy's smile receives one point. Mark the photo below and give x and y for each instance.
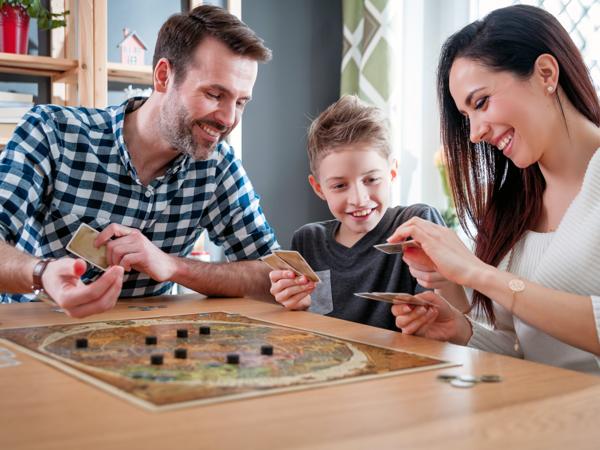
(355, 181)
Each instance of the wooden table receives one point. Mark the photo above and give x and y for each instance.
(535, 407)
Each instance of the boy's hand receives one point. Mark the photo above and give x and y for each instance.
(291, 291)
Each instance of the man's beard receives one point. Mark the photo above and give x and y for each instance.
(177, 129)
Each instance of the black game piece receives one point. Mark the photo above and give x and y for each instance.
(182, 333)
(266, 349)
(204, 330)
(233, 358)
(151, 340)
(180, 353)
(81, 343)
(156, 360)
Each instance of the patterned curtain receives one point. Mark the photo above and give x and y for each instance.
(367, 55)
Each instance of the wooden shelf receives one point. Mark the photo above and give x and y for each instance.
(124, 73)
(35, 65)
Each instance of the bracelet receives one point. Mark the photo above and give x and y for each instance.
(515, 285)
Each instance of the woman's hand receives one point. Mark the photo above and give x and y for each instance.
(442, 255)
(440, 321)
(423, 269)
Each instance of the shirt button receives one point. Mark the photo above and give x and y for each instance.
(148, 193)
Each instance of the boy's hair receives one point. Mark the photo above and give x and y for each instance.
(181, 34)
(346, 122)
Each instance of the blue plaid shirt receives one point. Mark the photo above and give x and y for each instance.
(64, 166)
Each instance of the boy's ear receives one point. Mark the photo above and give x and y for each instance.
(394, 168)
(316, 187)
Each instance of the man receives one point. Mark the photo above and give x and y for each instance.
(150, 174)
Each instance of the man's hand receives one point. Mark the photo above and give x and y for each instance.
(62, 282)
(130, 249)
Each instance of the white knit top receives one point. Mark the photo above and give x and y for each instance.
(566, 260)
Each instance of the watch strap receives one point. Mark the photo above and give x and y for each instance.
(38, 271)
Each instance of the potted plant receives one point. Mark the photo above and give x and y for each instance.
(14, 23)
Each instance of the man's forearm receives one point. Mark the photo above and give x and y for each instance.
(16, 270)
(234, 279)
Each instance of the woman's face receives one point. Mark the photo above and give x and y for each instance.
(503, 110)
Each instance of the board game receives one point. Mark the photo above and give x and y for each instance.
(175, 361)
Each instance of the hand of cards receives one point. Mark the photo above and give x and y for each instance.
(82, 245)
(290, 260)
(397, 247)
(395, 298)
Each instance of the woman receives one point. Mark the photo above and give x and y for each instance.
(520, 126)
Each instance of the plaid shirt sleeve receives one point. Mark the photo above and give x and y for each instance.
(234, 218)
(25, 176)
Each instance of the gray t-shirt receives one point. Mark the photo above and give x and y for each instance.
(361, 268)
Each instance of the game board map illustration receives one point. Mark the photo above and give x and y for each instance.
(171, 362)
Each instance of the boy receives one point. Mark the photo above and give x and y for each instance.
(352, 170)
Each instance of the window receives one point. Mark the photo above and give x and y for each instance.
(581, 19)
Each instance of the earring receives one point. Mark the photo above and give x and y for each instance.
(550, 89)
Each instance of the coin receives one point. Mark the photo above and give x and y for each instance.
(468, 378)
(490, 378)
(462, 384)
(446, 377)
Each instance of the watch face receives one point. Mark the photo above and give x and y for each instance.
(516, 285)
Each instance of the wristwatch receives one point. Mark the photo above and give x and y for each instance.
(38, 285)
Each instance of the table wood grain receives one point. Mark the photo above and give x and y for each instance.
(535, 407)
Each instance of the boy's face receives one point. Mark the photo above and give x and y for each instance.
(355, 181)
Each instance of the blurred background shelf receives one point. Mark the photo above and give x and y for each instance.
(124, 73)
(35, 65)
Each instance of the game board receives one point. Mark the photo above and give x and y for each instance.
(118, 359)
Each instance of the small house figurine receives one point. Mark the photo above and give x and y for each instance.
(132, 48)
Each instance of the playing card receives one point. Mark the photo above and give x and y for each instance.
(397, 247)
(290, 260)
(296, 260)
(395, 298)
(82, 245)
(276, 263)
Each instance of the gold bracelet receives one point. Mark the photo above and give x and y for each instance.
(515, 285)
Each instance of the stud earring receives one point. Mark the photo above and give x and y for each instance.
(550, 89)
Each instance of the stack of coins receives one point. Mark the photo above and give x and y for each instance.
(467, 380)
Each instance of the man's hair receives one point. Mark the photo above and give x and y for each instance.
(348, 121)
(181, 34)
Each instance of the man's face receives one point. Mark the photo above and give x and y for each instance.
(208, 102)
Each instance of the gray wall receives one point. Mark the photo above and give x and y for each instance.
(302, 79)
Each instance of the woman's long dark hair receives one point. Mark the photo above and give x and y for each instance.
(501, 200)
